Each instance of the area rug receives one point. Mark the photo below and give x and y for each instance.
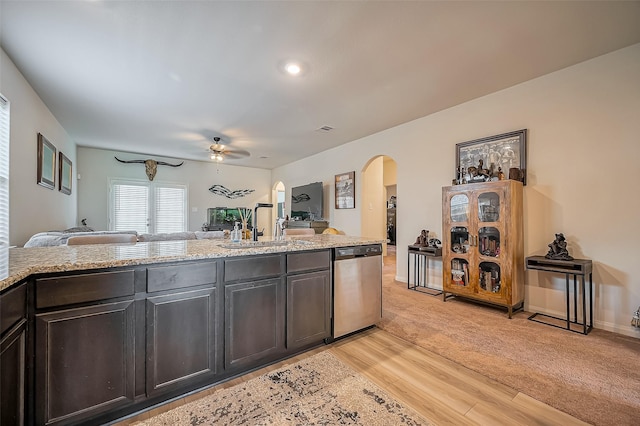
(319, 390)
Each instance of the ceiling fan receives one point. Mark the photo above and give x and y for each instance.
(219, 152)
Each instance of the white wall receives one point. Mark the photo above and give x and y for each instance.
(33, 208)
(583, 152)
(97, 166)
(374, 211)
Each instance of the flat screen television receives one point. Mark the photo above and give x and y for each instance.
(306, 201)
(221, 218)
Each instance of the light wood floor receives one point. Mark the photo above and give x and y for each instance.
(440, 390)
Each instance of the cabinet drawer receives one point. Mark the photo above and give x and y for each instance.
(13, 307)
(180, 276)
(298, 262)
(58, 291)
(254, 267)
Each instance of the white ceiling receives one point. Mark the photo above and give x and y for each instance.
(163, 77)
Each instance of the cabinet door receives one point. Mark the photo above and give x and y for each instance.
(490, 242)
(254, 322)
(457, 241)
(180, 339)
(84, 362)
(12, 376)
(308, 308)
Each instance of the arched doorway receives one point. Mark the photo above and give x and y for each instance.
(278, 200)
(379, 185)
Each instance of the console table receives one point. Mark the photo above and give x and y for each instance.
(576, 268)
(420, 256)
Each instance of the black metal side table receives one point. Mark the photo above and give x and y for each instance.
(578, 268)
(420, 256)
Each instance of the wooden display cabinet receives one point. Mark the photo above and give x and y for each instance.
(483, 244)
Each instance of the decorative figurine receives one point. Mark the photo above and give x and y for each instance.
(635, 321)
(433, 242)
(422, 239)
(500, 174)
(482, 171)
(558, 249)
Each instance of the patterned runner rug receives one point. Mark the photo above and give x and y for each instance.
(319, 390)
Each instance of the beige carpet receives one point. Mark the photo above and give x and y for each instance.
(319, 390)
(595, 378)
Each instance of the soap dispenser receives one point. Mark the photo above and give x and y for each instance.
(236, 234)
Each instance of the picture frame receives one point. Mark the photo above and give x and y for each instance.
(345, 190)
(65, 168)
(46, 163)
(507, 151)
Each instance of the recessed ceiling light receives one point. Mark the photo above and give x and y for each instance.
(292, 68)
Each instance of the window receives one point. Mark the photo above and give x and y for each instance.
(147, 207)
(4, 175)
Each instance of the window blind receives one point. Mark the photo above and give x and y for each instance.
(170, 205)
(148, 207)
(4, 172)
(130, 208)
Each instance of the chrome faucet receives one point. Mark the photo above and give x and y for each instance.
(254, 233)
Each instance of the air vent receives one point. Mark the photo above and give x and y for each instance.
(325, 129)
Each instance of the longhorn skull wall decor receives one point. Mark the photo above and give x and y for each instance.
(151, 166)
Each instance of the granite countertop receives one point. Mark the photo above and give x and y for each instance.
(23, 262)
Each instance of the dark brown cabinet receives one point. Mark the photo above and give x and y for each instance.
(84, 331)
(181, 339)
(308, 298)
(84, 361)
(254, 322)
(13, 356)
(181, 324)
(308, 309)
(88, 347)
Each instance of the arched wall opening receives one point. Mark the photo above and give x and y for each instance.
(379, 184)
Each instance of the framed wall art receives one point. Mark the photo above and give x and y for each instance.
(346, 191)
(64, 174)
(46, 163)
(506, 153)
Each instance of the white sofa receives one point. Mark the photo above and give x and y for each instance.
(60, 238)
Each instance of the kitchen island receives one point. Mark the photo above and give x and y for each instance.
(93, 333)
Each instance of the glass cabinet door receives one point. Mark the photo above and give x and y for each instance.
(489, 207)
(459, 208)
(459, 272)
(489, 278)
(489, 241)
(460, 239)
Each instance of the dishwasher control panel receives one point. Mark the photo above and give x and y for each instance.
(357, 251)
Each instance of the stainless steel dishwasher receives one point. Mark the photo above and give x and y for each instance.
(357, 288)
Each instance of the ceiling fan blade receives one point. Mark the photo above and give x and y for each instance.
(235, 154)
